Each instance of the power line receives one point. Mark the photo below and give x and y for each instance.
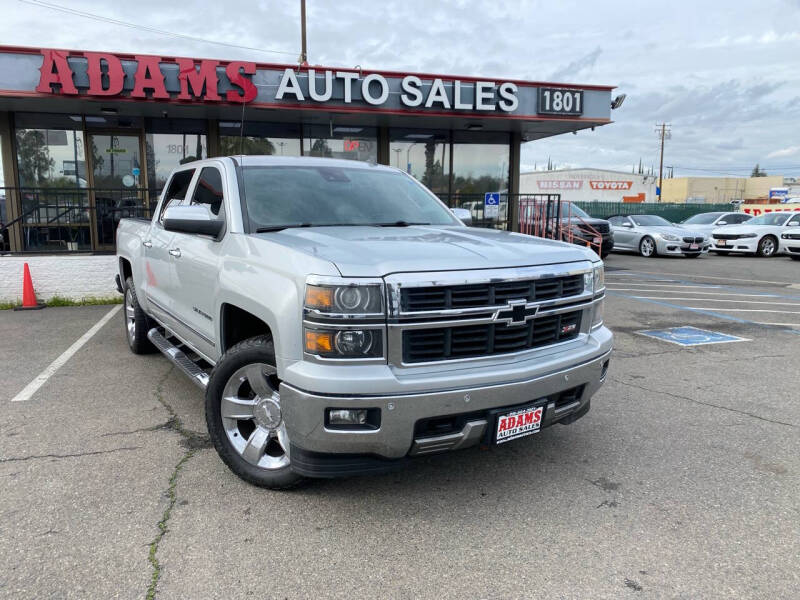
(102, 19)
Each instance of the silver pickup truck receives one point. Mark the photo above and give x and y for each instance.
(342, 320)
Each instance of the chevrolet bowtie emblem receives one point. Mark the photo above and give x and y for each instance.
(517, 313)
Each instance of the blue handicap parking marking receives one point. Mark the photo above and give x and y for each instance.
(490, 198)
(691, 336)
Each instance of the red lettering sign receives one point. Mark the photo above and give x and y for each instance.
(116, 76)
(149, 77)
(610, 185)
(559, 184)
(197, 79)
(194, 78)
(234, 72)
(62, 75)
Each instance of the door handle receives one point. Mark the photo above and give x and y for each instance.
(147, 244)
(176, 252)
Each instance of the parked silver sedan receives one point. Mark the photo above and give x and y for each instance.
(650, 235)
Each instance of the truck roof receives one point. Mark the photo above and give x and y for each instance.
(309, 161)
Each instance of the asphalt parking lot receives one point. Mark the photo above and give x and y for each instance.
(682, 481)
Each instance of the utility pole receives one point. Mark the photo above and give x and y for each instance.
(663, 130)
(303, 52)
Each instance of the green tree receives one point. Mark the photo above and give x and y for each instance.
(758, 172)
(232, 145)
(320, 148)
(33, 157)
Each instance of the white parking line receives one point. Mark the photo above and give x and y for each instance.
(703, 286)
(54, 366)
(783, 312)
(688, 292)
(697, 275)
(716, 300)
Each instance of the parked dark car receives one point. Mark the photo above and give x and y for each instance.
(584, 229)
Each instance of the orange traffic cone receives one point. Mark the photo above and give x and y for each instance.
(28, 295)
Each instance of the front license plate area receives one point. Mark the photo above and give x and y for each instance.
(694, 247)
(722, 243)
(512, 424)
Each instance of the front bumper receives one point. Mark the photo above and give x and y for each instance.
(666, 247)
(315, 447)
(746, 245)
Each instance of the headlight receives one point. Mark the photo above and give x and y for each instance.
(344, 343)
(599, 278)
(350, 299)
(669, 237)
(748, 235)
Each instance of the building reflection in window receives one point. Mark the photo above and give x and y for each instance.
(170, 143)
(341, 141)
(424, 154)
(280, 139)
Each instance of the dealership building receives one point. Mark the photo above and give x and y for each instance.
(88, 138)
(591, 185)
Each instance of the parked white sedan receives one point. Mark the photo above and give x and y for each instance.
(708, 222)
(760, 235)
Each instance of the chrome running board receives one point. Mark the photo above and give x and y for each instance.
(178, 358)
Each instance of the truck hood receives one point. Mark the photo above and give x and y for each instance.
(379, 251)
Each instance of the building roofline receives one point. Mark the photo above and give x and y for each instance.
(584, 169)
(267, 65)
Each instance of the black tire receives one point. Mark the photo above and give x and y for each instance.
(603, 255)
(136, 322)
(254, 350)
(643, 245)
(767, 246)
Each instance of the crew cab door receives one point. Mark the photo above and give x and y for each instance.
(158, 253)
(197, 266)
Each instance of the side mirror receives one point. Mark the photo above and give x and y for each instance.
(722, 222)
(463, 215)
(192, 219)
(627, 224)
(792, 224)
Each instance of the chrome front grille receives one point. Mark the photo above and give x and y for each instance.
(475, 315)
(489, 294)
(693, 240)
(446, 343)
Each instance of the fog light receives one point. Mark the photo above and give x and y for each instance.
(347, 417)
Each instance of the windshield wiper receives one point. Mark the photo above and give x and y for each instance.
(281, 227)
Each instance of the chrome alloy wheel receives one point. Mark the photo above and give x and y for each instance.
(647, 247)
(767, 246)
(130, 316)
(251, 415)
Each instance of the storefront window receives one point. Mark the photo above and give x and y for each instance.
(425, 155)
(480, 163)
(52, 174)
(259, 138)
(341, 141)
(170, 143)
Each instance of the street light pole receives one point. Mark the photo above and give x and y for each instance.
(664, 131)
(303, 52)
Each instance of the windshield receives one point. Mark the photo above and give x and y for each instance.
(307, 196)
(770, 219)
(702, 219)
(650, 221)
(572, 209)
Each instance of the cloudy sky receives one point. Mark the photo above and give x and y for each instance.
(725, 75)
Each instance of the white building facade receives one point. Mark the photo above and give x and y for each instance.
(590, 185)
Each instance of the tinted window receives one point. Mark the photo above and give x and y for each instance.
(310, 195)
(209, 189)
(176, 192)
(795, 219)
(618, 221)
(702, 219)
(650, 221)
(778, 218)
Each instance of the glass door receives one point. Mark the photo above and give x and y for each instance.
(116, 170)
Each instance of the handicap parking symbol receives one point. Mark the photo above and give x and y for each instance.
(491, 205)
(691, 336)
